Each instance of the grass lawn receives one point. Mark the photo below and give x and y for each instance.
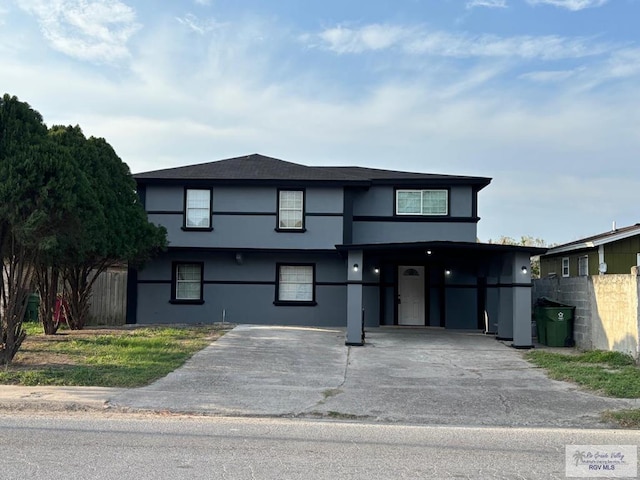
(609, 373)
(114, 357)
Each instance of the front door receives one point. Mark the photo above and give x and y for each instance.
(411, 296)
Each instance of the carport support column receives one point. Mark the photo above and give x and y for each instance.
(522, 301)
(355, 268)
(505, 298)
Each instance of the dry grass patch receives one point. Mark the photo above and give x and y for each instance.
(108, 357)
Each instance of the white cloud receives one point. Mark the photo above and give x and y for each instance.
(96, 31)
(420, 41)
(370, 37)
(197, 25)
(573, 5)
(3, 12)
(204, 3)
(549, 76)
(487, 3)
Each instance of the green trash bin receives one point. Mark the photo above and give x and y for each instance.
(31, 315)
(541, 325)
(555, 323)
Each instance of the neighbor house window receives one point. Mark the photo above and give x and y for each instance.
(187, 283)
(565, 267)
(422, 202)
(291, 210)
(197, 209)
(295, 284)
(583, 266)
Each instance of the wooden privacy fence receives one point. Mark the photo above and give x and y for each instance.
(109, 299)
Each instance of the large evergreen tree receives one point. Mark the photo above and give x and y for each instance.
(115, 226)
(68, 210)
(36, 191)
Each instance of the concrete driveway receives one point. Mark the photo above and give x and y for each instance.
(423, 376)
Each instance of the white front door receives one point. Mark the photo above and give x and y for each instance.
(411, 295)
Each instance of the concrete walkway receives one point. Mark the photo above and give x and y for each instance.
(422, 376)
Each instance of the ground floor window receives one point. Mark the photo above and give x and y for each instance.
(295, 284)
(565, 267)
(187, 283)
(583, 266)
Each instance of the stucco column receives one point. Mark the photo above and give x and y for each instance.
(505, 298)
(354, 298)
(521, 275)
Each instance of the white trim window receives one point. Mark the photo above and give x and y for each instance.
(291, 209)
(422, 202)
(565, 267)
(295, 283)
(188, 281)
(197, 208)
(583, 266)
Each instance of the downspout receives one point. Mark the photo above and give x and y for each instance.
(601, 261)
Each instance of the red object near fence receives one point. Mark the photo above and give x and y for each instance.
(61, 311)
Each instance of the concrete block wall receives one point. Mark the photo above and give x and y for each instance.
(607, 315)
(570, 291)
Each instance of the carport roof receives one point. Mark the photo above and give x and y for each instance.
(443, 245)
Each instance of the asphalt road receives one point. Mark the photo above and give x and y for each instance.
(177, 447)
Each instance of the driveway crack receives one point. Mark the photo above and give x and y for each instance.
(346, 368)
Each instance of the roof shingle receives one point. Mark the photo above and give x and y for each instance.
(258, 167)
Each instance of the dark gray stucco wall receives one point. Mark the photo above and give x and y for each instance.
(393, 231)
(461, 299)
(242, 293)
(370, 205)
(246, 217)
(379, 200)
(253, 231)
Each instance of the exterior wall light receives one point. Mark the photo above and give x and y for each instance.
(524, 270)
(239, 258)
(376, 270)
(428, 252)
(447, 272)
(356, 267)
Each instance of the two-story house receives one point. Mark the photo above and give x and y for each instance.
(259, 240)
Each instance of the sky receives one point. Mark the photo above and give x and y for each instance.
(540, 95)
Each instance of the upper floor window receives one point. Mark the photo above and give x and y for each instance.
(422, 202)
(583, 266)
(187, 283)
(565, 267)
(197, 209)
(291, 210)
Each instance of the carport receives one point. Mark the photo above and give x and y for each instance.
(452, 285)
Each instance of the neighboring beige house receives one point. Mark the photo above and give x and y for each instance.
(612, 252)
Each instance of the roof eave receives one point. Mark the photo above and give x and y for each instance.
(610, 238)
(247, 182)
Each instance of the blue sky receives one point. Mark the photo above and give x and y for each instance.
(540, 95)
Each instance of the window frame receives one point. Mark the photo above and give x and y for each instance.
(174, 284)
(585, 272)
(566, 269)
(300, 229)
(298, 303)
(447, 194)
(185, 211)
